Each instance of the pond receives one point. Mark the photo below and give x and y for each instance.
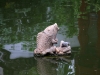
(21, 21)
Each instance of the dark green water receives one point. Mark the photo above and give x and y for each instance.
(20, 21)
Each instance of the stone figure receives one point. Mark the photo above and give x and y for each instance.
(46, 40)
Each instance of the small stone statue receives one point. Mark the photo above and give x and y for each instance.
(64, 48)
(46, 40)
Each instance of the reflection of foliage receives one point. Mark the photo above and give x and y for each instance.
(73, 31)
(93, 5)
(59, 14)
(32, 71)
(66, 13)
(24, 25)
(9, 5)
(28, 45)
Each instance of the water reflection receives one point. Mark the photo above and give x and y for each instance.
(20, 21)
(55, 66)
(15, 66)
(87, 65)
(58, 65)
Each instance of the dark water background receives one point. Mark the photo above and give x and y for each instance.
(21, 20)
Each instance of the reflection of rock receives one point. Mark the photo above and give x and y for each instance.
(52, 65)
(45, 67)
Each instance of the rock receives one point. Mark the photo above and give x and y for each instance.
(63, 50)
(46, 39)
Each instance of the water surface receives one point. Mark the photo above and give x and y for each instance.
(20, 21)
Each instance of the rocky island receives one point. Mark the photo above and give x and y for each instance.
(46, 40)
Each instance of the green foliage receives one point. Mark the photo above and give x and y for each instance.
(32, 71)
(63, 12)
(66, 12)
